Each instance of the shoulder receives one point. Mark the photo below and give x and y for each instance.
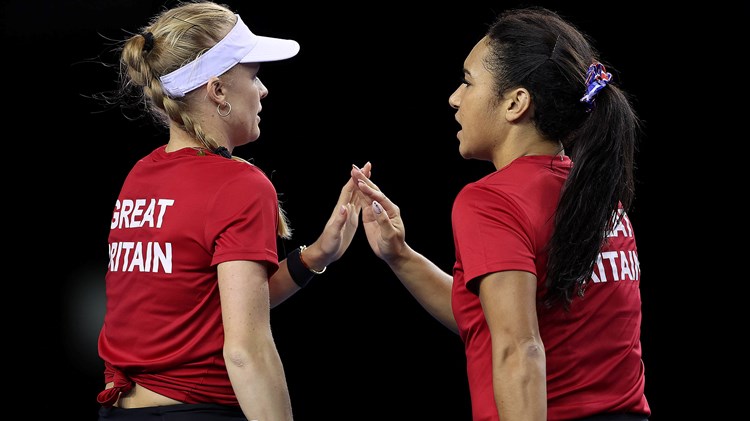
(483, 197)
(243, 175)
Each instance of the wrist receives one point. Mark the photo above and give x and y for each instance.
(312, 259)
(299, 270)
(396, 260)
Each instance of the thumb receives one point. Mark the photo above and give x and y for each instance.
(340, 217)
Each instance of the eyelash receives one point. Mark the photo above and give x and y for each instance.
(464, 81)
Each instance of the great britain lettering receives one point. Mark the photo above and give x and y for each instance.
(129, 256)
(618, 265)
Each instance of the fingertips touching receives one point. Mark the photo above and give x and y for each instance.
(366, 170)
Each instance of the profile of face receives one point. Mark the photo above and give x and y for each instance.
(245, 90)
(477, 109)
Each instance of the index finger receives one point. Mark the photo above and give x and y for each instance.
(371, 190)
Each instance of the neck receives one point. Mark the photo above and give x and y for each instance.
(180, 139)
(535, 147)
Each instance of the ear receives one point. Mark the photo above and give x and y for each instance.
(518, 104)
(215, 90)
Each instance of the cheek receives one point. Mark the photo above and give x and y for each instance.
(473, 118)
(250, 111)
(480, 129)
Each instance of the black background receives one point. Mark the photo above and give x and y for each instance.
(371, 82)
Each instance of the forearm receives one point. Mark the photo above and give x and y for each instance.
(249, 352)
(282, 286)
(519, 381)
(430, 285)
(259, 382)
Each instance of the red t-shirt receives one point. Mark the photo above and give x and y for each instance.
(178, 215)
(503, 222)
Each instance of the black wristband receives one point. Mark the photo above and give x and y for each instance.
(297, 270)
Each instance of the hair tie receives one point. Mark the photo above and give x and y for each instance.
(597, 78)
(149, 44)
(221, 150)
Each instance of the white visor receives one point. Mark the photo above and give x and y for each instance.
(238, 46)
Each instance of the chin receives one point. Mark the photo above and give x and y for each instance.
(254, 135)
(465, 154)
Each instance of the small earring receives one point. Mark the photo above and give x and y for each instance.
(229, 109)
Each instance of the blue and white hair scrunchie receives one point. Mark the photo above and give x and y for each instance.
(597, 78)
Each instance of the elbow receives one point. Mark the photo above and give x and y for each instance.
(239, 355)
(532, 352)
(533, 349)
(525, 351)
(235, 356)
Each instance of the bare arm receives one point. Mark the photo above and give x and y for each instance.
(518, 358)
(251, 357)
(381, 218)
(330, 245)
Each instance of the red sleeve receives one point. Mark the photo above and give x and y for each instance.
(491, 233)
(244, 220)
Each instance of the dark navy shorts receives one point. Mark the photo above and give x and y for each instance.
(616, 417)
(180, 412)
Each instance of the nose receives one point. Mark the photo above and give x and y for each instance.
(455, 99)
(261, 87)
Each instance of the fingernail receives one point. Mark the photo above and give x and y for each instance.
(376, 208)
(356, 168)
